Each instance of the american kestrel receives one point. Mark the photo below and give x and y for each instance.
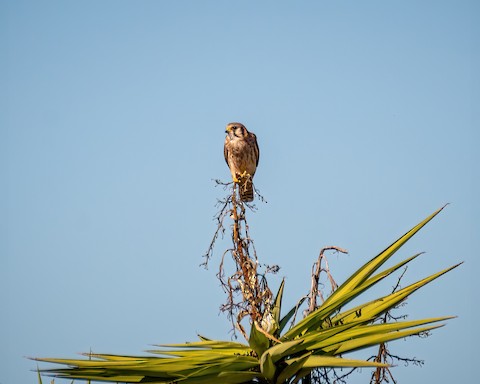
(242, 155)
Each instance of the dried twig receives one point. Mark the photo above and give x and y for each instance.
(384, 374)
(219, 217)
(323, 375)
(317, 269)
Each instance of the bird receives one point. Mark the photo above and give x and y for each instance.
(241, 154)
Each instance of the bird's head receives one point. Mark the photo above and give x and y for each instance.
(234, 130)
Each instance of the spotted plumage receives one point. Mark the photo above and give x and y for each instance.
(242, 155)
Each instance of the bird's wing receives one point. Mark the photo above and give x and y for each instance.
(225, 150)
(257, 150)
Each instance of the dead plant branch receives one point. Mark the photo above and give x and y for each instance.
(248, 294)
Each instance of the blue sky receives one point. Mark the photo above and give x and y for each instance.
(112, 128)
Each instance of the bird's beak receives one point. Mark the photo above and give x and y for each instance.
(228, 129)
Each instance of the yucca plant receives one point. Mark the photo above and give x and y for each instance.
(275, 353)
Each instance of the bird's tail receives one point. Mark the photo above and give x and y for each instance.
(246, 189)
